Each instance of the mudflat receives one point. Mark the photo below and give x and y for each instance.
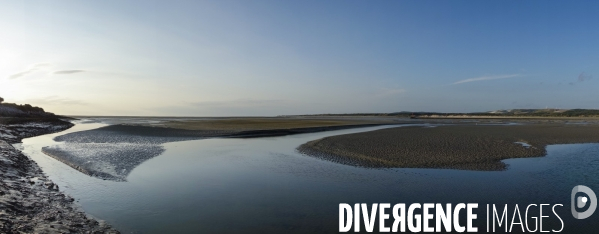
(113, 151)
(471, 147)
(272, 123)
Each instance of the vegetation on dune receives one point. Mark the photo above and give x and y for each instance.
(499, 113)
(25, 110)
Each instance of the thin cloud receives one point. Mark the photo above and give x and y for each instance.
(389, 92)
(236, 107)
(54, 100)
(31, 69)
(66, 72)
(583, 76)
(483, 78)
(20, 74)
(239, 102)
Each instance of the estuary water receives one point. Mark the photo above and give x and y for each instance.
(262, 185)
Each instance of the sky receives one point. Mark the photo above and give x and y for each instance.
(266, 58)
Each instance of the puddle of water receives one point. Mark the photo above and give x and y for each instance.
(524, 144)
(263, 185)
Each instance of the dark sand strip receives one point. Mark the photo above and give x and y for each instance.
(468, 147)
(272, 123)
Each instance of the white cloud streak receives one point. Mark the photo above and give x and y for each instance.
(54, 100)
(483, 78)
(32, 68)
(66, 72)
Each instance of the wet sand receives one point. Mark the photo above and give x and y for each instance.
(470, 147)
(112, 152)
(264, 126)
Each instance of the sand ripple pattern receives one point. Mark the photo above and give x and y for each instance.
(112, 152)
(467, 147)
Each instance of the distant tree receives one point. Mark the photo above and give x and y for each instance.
(1, 99)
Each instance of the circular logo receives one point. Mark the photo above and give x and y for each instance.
(580, 201)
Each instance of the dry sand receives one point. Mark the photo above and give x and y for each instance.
(472, 147)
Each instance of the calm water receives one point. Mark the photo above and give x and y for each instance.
(263, 186)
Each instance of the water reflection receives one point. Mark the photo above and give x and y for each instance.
(263, 185)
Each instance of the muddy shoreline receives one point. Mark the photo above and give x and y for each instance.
(468, 147)
(29, 201)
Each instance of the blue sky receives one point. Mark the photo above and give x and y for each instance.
(219, 58)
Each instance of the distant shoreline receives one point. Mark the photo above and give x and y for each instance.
(507, 117)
